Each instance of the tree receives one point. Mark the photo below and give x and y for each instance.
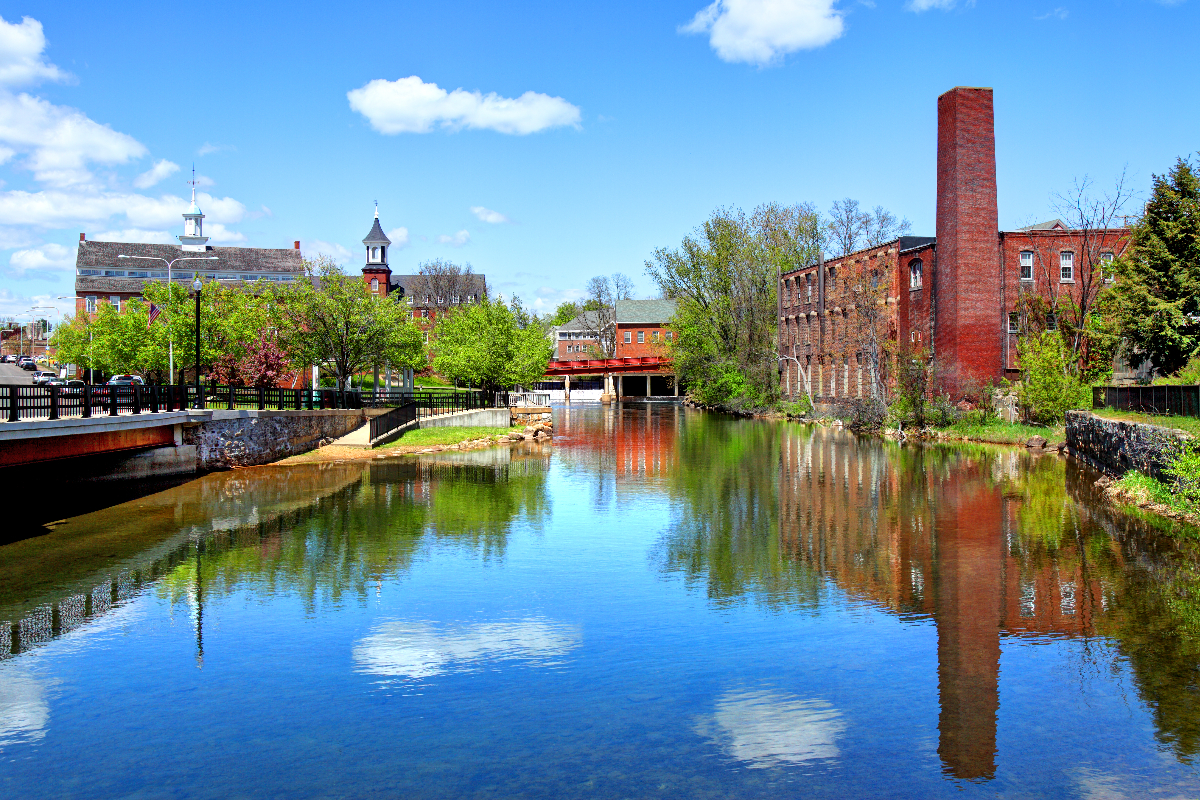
(851, 229)
(337, 322)
(442, 286)
(1049, 384)
(567, 310)
(1156, 298)
(72, 341)
(485, 345)
(599, 312)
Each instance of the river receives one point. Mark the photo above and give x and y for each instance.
(662, 603)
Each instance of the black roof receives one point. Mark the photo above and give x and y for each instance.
(913, 242)
(376, 236)
(233, 259)
(405, 285)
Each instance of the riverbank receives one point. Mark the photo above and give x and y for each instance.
(428, 440)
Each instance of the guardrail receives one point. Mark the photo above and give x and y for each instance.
(1183, 401)
(387, 422)
(24, 402)
(523, 399)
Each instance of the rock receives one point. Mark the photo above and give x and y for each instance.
(528, 429)
(515, 437)
(1061, 447)
(1036, 441)
(1104, 482)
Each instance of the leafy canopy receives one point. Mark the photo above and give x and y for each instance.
(486, 345)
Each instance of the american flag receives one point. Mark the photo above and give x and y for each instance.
(154, 312)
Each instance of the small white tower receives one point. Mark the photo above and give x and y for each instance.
(193, 239)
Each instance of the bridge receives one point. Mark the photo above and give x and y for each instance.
(604, 366)
(632, 376)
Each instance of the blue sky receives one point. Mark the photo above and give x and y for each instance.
(545, 143)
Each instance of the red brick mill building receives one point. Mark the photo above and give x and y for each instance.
(954, 296)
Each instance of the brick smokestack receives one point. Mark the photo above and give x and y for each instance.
(968, 339)
(296, 246)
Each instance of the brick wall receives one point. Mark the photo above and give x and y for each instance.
(635, 349)
(969, 337)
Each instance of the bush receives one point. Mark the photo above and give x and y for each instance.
(1184, 467)
(862, 413)
(941, 413)
(1188, 375)
(1049, 388)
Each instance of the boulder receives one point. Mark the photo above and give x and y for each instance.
(1036, 441)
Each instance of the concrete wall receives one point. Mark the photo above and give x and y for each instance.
(1116, 447)
(479, 418)
(226, 439)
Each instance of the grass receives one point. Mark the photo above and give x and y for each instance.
(998, 431)
(429, 437)
(1186, 424)
(1144, 492)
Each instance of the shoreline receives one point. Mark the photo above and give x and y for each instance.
(541, 433)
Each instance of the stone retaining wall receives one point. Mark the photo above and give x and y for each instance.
(1116, 447)
(530, 415)
(226, 439)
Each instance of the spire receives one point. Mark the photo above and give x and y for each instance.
(193, 238)
(376, 209)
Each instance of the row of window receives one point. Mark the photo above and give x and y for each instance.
(641, 336)
(1066, 268)
(91, 299)
(182, 276)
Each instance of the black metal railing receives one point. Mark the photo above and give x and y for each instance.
(1183, 401)
(391, 420)
(24, 402)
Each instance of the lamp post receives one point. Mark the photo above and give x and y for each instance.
(170, 339)
(20, 338)
(197, 286)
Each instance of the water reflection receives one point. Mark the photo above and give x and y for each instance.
(982, 540)
(23, 707)
(422, 649)
(772, 729)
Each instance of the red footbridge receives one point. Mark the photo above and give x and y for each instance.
(601, 366)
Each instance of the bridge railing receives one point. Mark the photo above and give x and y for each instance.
(522, 399)
(24, 402)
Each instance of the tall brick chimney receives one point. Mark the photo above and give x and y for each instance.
(968, 339)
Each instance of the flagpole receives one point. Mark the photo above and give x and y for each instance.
(170, 285)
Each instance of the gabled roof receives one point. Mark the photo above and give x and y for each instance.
(376, 235)
(233, 259)
(406, 285)
(1052, 225)
(651, 312)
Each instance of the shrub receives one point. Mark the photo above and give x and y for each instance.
(1184, 468)
(862, 413)
(942, 413)
(1188, 374)
(1048, 385)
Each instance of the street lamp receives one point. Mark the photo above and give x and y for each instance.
(20, 339)
(197, 286)
(170, 340)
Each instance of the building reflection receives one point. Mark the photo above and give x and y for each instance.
(960, 534)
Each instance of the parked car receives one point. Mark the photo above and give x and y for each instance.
(28, 364)
(125, 380)
(54, 382)
(73, 386)
(40, 377)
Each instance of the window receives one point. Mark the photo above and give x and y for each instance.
(409, 299)
(1014, 322)
(654, 336)
(115, 299)
(1026, 265)
(641, 337)
(383, 253)
(915, 268)
(627, 339)
(833, 277)
(375, 285)
(90, 303)
(808, 288)
(114, 273)
(1066, 266)
(1051, 322)
(472, 298)
(455, 299)
(670, 336)
(1106, 267)
(374, 253)
(562, 334)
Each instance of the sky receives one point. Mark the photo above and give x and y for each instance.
(545, 143)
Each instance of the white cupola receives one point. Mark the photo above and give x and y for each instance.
(193, 239)
(376, 243)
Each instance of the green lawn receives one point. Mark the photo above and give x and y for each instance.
(1187, 424)
(1001, 432)
(428, 437)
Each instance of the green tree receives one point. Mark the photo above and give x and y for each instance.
(72, 343)
(1156, 298)
(567, 310)
(486, 345)
(337, 322)
(1049, 386)
(123, 341)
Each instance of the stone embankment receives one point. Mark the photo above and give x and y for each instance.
(1115, 446)
(227, 439)
(537, 434)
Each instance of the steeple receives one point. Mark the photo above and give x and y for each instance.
(193, 238)
(376, 272)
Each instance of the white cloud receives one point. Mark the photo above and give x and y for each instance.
(24, 711)
(409, 105)
(56, 208)
(457, 240)
(1058, 13)
(925, 5)
(161, 169)
(763, 31)
(219, 234)
(135, 235)
(419, 650)
(487, 215)
(208, 148)
(315, 247)
(399, 237)
(21, 61)
(40, 262)
(58, 141)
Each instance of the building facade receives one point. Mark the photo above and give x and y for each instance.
(957, 297)
(116, 272)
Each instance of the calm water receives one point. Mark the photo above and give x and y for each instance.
(661, 604)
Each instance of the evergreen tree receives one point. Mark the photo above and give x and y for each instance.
(1156, 299)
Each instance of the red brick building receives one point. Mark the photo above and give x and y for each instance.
(955, 297)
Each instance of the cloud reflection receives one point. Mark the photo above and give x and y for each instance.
(420, 650)
(23, 708)
(773, 729)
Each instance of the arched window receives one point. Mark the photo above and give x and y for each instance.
(375, 285)
(374, 253)
(915, 268)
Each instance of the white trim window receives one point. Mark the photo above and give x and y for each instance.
(1027, 265)
(1066, 266)
(115, 301)
(808, 288)
(641, 337)
(1014, 322)
(628, 337)
(1106, 267)
(90, 303)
